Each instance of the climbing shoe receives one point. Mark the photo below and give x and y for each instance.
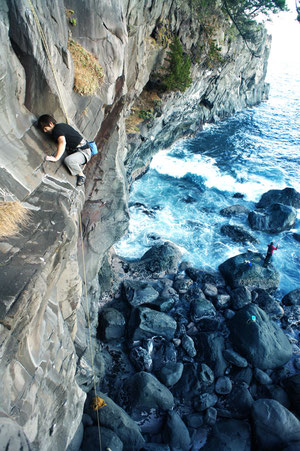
(80, 180)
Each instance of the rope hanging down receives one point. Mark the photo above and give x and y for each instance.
(97, 402)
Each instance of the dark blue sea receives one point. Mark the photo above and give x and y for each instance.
(256, 150)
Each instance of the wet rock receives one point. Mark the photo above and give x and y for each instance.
(261, 341)
(139, 292)
(238, 234)
(210, 290)
(269, 304)
(234, 210)
(292, 386)
(238, 195)
(210, 416)
(170, 374)
(229, 435)
(240, 297)
(194, 420)
(205, 401)
(222, 301)
(223, 385)
(175, 432)
(146, 392)
(211, 345)
(115, 418)
(275, 427)
(292, 298)
(141, 359)
(162, 258)
(145, 323)
(235, 358)
(296, 236)
(109, 439)
(243, 375)
(111, 324)
(206, 375)
(188, 345)
(262, 377)
(239, 401)
(202, 308)
(237, 272)
(286, 196)
(273, 219)
(182, 284)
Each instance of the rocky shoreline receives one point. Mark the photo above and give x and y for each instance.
(197, 359)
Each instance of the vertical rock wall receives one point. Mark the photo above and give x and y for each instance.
(42, 318)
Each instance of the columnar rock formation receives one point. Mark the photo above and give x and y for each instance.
(43, 321)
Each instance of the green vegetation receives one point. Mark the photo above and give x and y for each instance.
(70, 16)
(178, 71)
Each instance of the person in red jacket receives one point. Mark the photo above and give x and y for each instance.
(271, 249)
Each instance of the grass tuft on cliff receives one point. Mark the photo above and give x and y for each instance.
(13, 216)
(88, 73)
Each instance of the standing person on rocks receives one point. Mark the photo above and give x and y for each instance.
(271, 249)
(67, 138)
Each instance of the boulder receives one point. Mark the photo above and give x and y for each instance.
(223, 385)
(211, 347)
(286, 196)
(262, 377)
(292, 386)
(258, 339)
(188, 345)
(189, 385)
(234, 358)
(194, 420)
(234, 210)
(204, 401)
(170, 374)
(238, 234)
(239, 402)
(292, 298)
(206, 375)
(275, 427)
(240, 297)
(162, 258)
(210, 416)
(139, 292)
(175, 432)
(141, 358)
(269, 304)
(111, 324)
(273, 219)
(146, 392)
(229, 435)
(109, 439)
(146, 323)
(113, 417)
(210, 290)
(237, 271)
(201, 308)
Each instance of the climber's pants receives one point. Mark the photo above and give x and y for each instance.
(75, 161)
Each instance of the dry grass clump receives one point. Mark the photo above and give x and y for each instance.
(12, 217)
(88, 74)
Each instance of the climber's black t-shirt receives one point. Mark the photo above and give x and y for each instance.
(73, 138)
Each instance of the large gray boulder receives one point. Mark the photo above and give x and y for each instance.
(286, 196)
(139, 292)
(292, 298)
(145, 323)
(259, 339)
(111, 324)
(201, 308)
(146, 392)
(269, 304)
(275, 427)
(238, 234)
(273, 219)
(161, 258)
(175, 432)
(237, 271)
(229, 435)
(234, 210)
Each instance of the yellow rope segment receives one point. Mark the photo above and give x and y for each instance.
(97, 401)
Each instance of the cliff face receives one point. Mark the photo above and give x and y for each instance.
(43, 321)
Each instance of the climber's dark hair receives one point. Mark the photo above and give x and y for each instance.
(45, 120)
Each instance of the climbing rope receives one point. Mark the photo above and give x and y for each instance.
(97, 402)
(43, 38)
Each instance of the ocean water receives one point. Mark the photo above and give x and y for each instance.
(180, 197)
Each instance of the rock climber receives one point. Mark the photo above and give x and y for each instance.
(67, 138)
(271, 249)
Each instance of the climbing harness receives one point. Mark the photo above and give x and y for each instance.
(97, 402)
